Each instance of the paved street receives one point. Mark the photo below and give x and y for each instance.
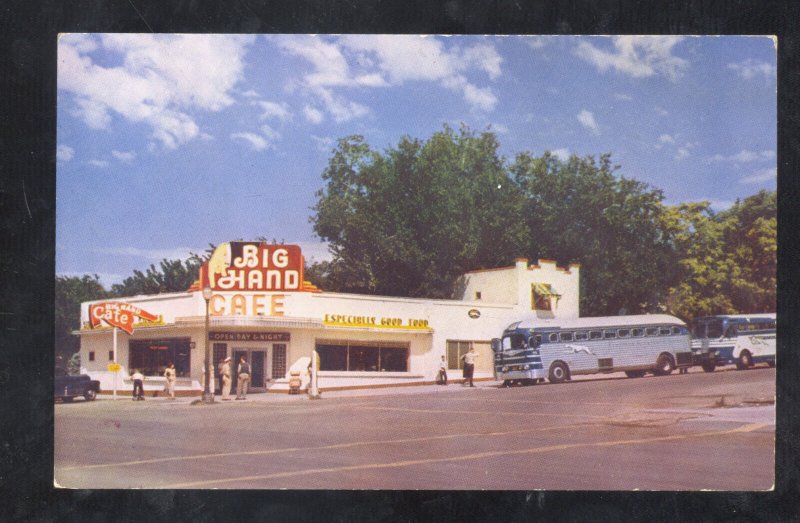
(681, 432)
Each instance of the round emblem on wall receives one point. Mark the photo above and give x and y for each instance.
(474, 313)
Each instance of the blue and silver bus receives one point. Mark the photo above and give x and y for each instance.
(743, 339)
(532, 350)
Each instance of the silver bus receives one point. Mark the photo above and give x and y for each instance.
(532, 350)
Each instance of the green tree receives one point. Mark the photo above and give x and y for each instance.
(751, 242)
(170, 276)
(704, 267)
(70, 292)
(410, 220)
(579, 210)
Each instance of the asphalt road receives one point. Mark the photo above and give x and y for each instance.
(680, 432)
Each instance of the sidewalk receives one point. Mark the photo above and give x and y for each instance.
(273, 397)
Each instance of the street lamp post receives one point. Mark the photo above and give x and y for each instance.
(208, 396)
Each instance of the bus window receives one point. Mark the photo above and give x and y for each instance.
(515, 341)
(637, 333)
(581, 336)
(664, 331)
(553, 337)
(609, 334)
(565, 336)
(676, 330)
(623, 333)
(652, 331)
(538, 339)
(730, 332)
(595, 335)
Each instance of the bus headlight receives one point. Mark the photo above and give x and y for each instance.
(525, 367)
(505, 369)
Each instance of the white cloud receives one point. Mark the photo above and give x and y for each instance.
(745, 156)
(682, 153)
(164, 77)
(270, 133)
(586, 118)
(274, 110)
(749, 69)
(178, 253)
(536, 42)
(637, 56)
(370, 61)
(665, 139)
(764, 175)
(124, 156)
(64, 153)
(313, 115)
(563, 154)
(98, 163)
(250, 94)
(324, 143)
(257, 142)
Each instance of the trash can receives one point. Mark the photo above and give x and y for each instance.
(294, 382)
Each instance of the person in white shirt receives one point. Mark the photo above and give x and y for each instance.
(138, 385)
(469, 366)
(441, 378)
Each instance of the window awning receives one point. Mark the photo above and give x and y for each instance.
(545, 290)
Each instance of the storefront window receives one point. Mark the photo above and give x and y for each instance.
(362, 357)
(151, 357)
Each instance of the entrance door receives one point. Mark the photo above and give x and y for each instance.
(256, 358)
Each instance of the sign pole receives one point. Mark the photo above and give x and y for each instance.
(116, 372)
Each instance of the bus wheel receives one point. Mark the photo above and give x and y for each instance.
(634, 373)
(744, 361)
(709, 366)
(558, 372)
(664, 365)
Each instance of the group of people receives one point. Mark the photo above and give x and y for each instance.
(242, 378)
(469, 369)
(226, 370)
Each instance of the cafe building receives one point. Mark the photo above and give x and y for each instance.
(259, 306)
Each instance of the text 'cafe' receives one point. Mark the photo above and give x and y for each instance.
(261, 307)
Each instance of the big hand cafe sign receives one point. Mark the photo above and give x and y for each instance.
(119, 314)
(241, 273)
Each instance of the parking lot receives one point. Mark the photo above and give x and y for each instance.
(680, 432)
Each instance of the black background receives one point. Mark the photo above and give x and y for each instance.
(28, 31)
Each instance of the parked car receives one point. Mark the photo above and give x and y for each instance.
(68, 387)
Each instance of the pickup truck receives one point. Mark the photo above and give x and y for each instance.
(68, 387)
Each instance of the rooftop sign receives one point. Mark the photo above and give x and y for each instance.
(254, 266)
(117, 314)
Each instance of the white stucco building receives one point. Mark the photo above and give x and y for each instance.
(361, 340)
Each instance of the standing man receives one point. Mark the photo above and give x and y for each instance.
(469, 366)
(243, 380)
(226, 379)
(171, 377)
(138, 385)
(441, 378)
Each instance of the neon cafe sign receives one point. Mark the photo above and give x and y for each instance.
(117, 314)
(253, 268)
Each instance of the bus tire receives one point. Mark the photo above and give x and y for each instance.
(709, 366)
(634, 373)
(558, 372)
(664, 365)
(745, 360)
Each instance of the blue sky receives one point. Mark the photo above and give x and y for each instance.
(167, 143)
